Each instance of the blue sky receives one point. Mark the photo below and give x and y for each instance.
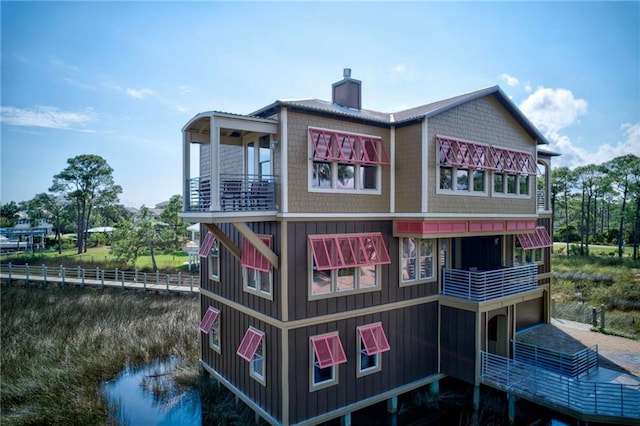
(120, 79)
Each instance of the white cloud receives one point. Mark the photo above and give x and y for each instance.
(399, 69)
(140, 94)
(552, 110)
(184, 90)
(45, 116)
(527, 87)
(510, 80)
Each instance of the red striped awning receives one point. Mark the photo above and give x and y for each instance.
(249, 344)
(328, 350)
(207, 244)
(538, 239)
(208, 320)
(374, 339)
(345, 147)
(252, 258)
(348, 250)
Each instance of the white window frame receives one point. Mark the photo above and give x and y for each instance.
(358, 185)
(313, 386)
(259, 356)
(214, 261)
(334, 273)
(454, 181)
(213, 332)
(505, 185)
(522, 255)
(435, 252)
(360, 372)
(259, 278)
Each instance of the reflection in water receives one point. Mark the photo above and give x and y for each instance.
(149, 395)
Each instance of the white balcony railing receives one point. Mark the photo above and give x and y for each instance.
(236, 193)
(479, 286)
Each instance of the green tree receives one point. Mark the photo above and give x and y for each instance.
(176, 228)
(8, 213)
(88, 182)
(51, 207)
(563, 184)
(131, 238)
(624, 172)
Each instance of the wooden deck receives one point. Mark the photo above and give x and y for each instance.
(126, 280)
(586, 398)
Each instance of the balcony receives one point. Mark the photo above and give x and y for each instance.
(236, 193)
(480, 286)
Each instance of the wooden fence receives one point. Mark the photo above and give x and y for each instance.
(78, 276)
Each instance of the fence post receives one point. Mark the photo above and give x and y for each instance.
(144, 275)
(158, 277)
(44, 275)
(83, 275)
(191, 284)
(115, 277)
(97, 273)
(553, 307)
(26, 269)
(10, 273)
(594, 317)
(122, 279)
(79, 275)
(602, 314)
(167, 275)
(179, 278)
(135, 278)
(102, 279)
(62, 275)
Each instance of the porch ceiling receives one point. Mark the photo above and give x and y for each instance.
(198, 128)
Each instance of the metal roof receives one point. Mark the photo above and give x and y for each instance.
(407, 115)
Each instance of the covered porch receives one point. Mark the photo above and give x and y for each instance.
(233, 168)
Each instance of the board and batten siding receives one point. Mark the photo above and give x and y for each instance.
(299, 305)
(413, 337)
(458, 343)
(231, 283)
(233, 325)
(529, 313)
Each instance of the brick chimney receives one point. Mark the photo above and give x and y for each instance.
(347, 92)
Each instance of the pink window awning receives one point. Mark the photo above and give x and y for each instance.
(345, 147)
(538, 239)
(374, 339)
(249, 344)
(348, 250)
(461, 153)
(207, 244)
(328, 350)
(208, 320)
(252, 258)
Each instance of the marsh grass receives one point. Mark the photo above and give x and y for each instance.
(585, 282)
(58, 345)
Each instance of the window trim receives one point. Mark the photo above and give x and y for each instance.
(208, 319)
(213, 332)
(210, 262)
(258, 291)
(470, 181)
(505, 182)
(357, 143)
(381, 346)
(335, 363)
(435, 253)
(252, 340)
(255, 263)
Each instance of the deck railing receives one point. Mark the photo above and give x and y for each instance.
(479, 286)
(552, 389)
(236, 193)
(572, 365)
(78, 276)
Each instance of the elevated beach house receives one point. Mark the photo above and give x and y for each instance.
(350, 255)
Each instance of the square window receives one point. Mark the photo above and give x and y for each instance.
(325, 354)
(371, 341)
(346, 279)
(418, 260)
(346, 174)
(524, 184)
(322, 175)
(367, 362)
(214, 335)
(368, 177)
(257, 363)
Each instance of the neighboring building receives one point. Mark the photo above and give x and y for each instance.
(355, 255)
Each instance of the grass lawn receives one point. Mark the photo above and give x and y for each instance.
(101, 257)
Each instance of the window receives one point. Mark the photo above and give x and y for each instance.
(343, 161)
(326, 353)
(462, 165)
(498, 183)
(511, 184)
(257, 274)
(524, 184)
(418, 261)
(210, 325)
(251, 349)
(372, 341)
(346, 263)
(528, 247)
(458, 179)
(214, 261)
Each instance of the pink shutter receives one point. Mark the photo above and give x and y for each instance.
(207, 244)
(252, 258)
(208, 320)
(249, 344)
(348, 250)
(374, 339)
(328, 350)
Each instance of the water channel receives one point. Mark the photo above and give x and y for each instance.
(149, 395)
